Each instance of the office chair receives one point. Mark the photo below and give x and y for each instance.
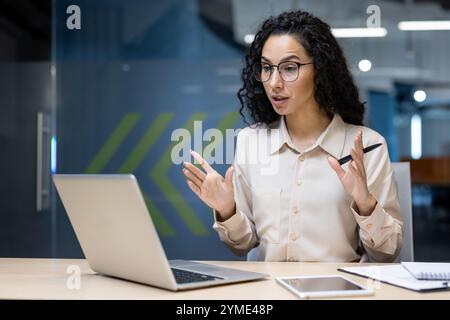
(402, 178)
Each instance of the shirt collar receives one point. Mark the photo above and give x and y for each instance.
(331, 140)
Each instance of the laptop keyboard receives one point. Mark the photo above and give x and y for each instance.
(183, 276)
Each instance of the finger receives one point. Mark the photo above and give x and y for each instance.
(359, 140)
(194, 188)
(199, 173)
(199, 186)
(336, 166)
(360, 152)
(192, 177)
(357, 175)
(353, 169)
(357, 161)
(205, 165)
(355, 156)
(359, 145)
(229, 176)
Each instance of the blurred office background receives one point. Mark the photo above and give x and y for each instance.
(105, 98)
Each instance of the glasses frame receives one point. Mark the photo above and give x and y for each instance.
(272, 66)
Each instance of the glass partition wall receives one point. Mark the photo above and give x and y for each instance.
(132, 76)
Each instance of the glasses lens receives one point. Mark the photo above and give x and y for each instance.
(289, 71)
(257, 71)
(261, 71)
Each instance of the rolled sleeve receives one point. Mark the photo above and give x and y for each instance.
(234, 230)
(377, 228)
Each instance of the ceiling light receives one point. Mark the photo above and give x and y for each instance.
(416, 137)
(359, 32)
(365, 65)
(420, 95)
(249, 38)
(424, 25)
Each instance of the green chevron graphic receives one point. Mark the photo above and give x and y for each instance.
(111, 145)
(140, 151)
(159, 175)
(134, 160)
(159, 172)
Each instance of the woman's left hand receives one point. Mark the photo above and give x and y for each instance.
(354, 179)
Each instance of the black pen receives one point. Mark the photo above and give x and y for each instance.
(365, 150)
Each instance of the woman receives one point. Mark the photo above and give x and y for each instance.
(296, 83)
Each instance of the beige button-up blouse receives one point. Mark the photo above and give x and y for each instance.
(291, 206)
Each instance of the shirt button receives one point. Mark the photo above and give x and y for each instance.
(299, 182)
(369, 226)
(295, 210)
(301, 158)
(293, 236)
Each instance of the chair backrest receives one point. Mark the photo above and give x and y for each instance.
(402, 177)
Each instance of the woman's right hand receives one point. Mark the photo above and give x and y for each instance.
(214, 190)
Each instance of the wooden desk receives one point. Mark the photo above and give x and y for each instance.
(47, 279)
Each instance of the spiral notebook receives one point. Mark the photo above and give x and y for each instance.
(428, 270)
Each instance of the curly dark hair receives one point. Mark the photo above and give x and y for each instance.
(334, 89)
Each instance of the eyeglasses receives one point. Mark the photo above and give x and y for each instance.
(288, 70)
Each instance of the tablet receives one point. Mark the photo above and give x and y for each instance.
(323, 286)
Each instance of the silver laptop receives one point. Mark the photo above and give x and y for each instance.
(119, 239)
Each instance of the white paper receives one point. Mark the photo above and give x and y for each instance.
(397, 275)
